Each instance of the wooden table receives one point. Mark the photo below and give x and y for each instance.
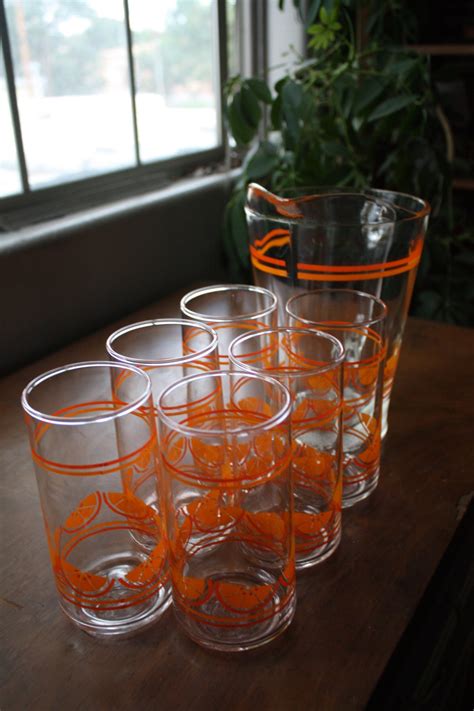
(351, 612)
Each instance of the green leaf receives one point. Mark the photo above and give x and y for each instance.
(260, 89)
(262, 161)
(402, 66)
(250, 106)
(366, 93)
(323, 15)
(391, 106)
(313, 11)
(280, 84)
(292, 99)
(334, 149)
(242, 131)
(275, 113)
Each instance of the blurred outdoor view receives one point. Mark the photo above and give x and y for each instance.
(73, 86)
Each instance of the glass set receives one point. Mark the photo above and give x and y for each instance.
(211, 456)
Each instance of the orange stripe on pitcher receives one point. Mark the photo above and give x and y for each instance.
(319, 272)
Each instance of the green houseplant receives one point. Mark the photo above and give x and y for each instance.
(357, 109)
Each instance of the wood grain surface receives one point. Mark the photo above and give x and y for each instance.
(351, 611)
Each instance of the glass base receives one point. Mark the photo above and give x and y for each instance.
(237, 638)
(308, 559)
(105, 621)
(353, 493)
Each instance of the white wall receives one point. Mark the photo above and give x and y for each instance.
(284, 29)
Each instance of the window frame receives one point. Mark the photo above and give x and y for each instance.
(40, 204)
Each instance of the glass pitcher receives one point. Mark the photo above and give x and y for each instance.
(311, 238)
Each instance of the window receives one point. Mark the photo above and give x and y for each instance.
(99, 90)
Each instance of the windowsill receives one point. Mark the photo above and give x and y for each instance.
(62, 226)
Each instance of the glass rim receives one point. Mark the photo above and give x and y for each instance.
(375, 196)
(367, 322)
(307, 372)
(85, 419)
(278, 418)
(161, 362)
(253, 315)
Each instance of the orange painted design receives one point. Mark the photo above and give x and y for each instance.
(85, 513)
(370, 455)
(208, 513)
(278, 232)
(91, 519)
(268, 525)
(322, 382)
(84, 582)
(208, 455)
(177, 450)
(314, 412)
(248, 604)
(313, 531)
(254, 404)
(389, 371)
(321, 272)
(312, 463)
(366, 462)
(242, 599)
(367, 374)
(310, 525)
(196, 591)
(391, 364)
(229, 466)
(146, 572)
(213, 520)
(128, 505)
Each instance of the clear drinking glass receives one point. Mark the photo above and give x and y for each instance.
(167, 350)
(316, 238)
(226, 456)
(92, 443)
(358, 321)
(231, 310)
(309, 364)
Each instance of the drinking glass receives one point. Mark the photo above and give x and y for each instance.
(226, 456)
(358, 321)
(317, 238)
(310, 366)
(91, 444)
(231, 310)
(167, 350)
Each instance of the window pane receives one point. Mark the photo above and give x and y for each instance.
(176, 71)
(72, 83)
(10, 181)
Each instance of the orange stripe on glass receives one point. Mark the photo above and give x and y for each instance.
(141, 456)
(320, 272)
